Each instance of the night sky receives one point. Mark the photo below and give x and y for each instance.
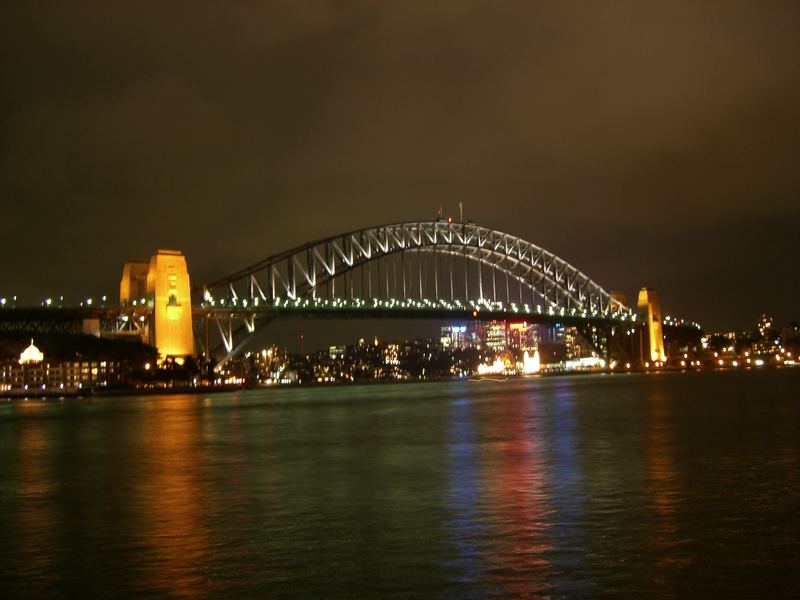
(648, 145)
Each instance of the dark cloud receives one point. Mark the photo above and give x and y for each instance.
(649, 144)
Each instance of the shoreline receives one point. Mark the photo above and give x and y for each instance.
(10, 395)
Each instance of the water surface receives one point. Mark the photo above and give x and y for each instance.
(664, 485)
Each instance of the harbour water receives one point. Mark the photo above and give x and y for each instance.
(644, 485)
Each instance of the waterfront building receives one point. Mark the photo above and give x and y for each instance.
(32, 372)
(31, 355)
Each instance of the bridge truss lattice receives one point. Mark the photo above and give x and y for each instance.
(433, 266)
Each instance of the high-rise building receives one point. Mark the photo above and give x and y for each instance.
(572, 343)
(765, 327)
(391, 354)
(495, 336)
(523, 336)
(454, 337)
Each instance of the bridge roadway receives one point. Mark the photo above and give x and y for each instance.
(62, 319)
(240, 314)
(65, 319)
(238, 317)
(234, 321)
(408, 309)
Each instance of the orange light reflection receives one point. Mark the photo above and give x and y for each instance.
(173, 499)
(664, 493)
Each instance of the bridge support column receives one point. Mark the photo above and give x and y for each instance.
(163, 285)
(652, 337)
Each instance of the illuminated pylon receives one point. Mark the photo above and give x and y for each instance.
(168, 289)
(162, 286)
(650, 313)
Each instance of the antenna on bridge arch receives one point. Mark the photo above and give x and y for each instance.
(461, 212)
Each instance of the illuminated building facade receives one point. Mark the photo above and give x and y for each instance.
(572, 343)
(32, 373)
(765, 328)
(454, 337)
(391, 354)
(31, 355)
(495, 336)
(523, 336)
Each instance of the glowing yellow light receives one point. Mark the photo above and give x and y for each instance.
(497, 367)
(31, 354)
(531, 364)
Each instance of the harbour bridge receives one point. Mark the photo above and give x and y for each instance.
(436, 269)
(425, 269)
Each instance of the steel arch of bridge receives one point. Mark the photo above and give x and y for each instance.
(307, 275)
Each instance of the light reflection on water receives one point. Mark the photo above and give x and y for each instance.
(666, 485)
(664, 494)
(172, 500)
(517, 502)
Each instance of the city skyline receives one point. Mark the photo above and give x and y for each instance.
(673, 168)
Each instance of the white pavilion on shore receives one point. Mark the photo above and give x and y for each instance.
(30, 355)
